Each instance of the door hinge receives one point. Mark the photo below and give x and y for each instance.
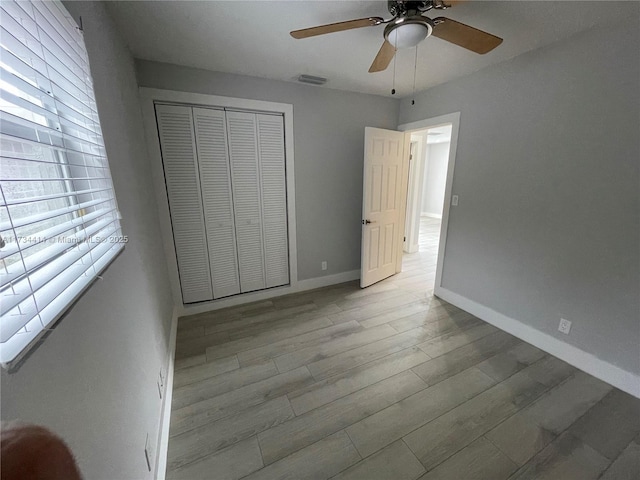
(405, 239)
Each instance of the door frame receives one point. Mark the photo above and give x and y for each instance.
(148, 97)
(454, 120)
(414, 194)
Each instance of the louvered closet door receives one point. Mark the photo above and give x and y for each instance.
(274, 198)
(177, 142)
(217, 200)
(245, 174)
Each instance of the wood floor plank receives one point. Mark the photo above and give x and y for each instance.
(524, 434)
(197, 346)
(192, 361)
(244, 323)
(567, 458)
(312, 426)
(480, 460)
(395, 314)
(455, 339)
(503, 365)
(203, 371)
(393, 462)
(374, 289)
(274, 325)
(437, 313)
(303, 356)
(188, 333)
(281, 332)
(380, 429)
(330, 389)
(373, 309)
(201, 442)
(318, 461)
(462, 358)
(232, 463)
(550, 371)
(316, 337)
(341, 362)
(223, 383)
(438, 440)
(220, 406)
(627, 465)
(610, 425)
(363, 301)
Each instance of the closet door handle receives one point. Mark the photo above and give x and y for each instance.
(367, 222)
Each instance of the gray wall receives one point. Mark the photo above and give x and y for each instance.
(94, 378)
(435, 177)
(329, 138)
(547, 170)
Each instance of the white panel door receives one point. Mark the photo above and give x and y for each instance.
(245, 179)
(217, 200)
(274, 198)
(177, 143)
(381, 206)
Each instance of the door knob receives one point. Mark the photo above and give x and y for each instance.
(367, 222)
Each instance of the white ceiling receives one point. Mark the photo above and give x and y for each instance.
(252, 38)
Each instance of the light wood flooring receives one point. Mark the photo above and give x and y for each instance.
(386, 383)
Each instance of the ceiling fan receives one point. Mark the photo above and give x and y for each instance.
(408, 27)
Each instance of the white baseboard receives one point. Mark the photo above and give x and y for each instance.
(299, 286)
(431, 215)
(327, 280)
(587, 362)
(165, 419)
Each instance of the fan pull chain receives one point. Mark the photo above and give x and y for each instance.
(415, 68)
(393, 86)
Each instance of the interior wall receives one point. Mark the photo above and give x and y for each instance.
(93, 380)
(435, 178)
(329, 151)
(547, 173)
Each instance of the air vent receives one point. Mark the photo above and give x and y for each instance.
(312, 79)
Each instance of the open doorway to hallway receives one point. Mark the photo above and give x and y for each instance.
(428, 167)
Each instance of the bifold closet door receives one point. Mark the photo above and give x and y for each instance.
(177, 143)
(217, 199)
(270, 129)
(245, 175)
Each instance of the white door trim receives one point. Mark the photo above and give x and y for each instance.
(454, 120)
(414, 196)
(147, 98)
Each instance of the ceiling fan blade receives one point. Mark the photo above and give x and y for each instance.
(337, 27)
(464, 35)
(383, 58)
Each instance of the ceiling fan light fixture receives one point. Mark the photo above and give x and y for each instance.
(408, 34)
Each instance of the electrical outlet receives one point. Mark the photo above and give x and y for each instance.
(324, 265)
(148, 453)
(565, 326)
(454, 200)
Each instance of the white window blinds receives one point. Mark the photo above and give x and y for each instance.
(58, 213)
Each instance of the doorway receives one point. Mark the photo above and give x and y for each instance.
(431, 164)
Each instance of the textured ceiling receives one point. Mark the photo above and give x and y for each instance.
(252, 38)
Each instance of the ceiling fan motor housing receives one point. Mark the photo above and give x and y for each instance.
(403, 8)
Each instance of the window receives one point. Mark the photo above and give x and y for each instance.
(59, 220)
